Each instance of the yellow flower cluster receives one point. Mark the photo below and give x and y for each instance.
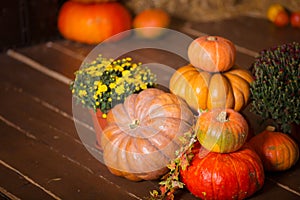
(104, 83)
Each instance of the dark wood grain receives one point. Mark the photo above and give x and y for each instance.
(41, 140)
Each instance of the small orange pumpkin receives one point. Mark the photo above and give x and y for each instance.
(222, 130)
(277, 150)
(212, 53)
(142, 134)
(204, 90)
(92, 23)
(150, 23)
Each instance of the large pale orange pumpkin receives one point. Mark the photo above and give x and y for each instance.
(92, 23)
(277, 150)
(212, 53)
(204, 90)
(143, 133)
(222, 130)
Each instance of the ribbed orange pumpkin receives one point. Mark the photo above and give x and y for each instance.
(143, 133)
(277, 150)
(235, 175)
(222, 130)
(212, 53)
(204, 90)
(92, 23)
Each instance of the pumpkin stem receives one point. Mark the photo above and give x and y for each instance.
(222, 117)
(270, 128)
(211, 38)
(134, 124)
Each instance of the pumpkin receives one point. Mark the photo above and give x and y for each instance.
(212, 53)
(150, 23)
(92, 1)
(92, 23)
(221, 130)
(277, 150)
(235, 175)
(143, 133)
(203, 90)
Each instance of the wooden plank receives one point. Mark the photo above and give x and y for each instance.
(271, 191)
(53, 59)
(52, 171)
(17, 185)
(35, 83)
(253, 33)
(288, 178)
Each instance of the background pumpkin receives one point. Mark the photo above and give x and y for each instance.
(212, 53)
(204, 90)
(150, 23)
(142, 134)
(92, 23)
(92, 1)
(277, 150)
(235, 175)
(221, 130)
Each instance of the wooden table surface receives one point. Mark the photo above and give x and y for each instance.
(41, 154)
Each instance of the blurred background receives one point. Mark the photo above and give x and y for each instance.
(26, 22)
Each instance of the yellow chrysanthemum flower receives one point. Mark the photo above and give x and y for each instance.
(112, 85)
(82, 93)
(120, 89)
(143, 86)
(101, 88)
(125, 73)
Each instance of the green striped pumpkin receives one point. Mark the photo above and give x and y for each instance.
(222, 130)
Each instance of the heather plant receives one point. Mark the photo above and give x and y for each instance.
(275, 91)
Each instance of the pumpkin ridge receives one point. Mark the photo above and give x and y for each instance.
(294, 146)
(127, 106)
(229, 95)
(242, 73)
(212, 177)
(253, 156)
(217, 57)
(198, 78)
(238, 93)
(237, 180)
(239, 82)
(289, 156)
(209, 59)
(164, 155)
(158, 131)
(242, 134)
(291, 149)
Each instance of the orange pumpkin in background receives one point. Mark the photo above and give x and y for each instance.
(92, 23)
(212, 53)
(93, 1)
(150, 23)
